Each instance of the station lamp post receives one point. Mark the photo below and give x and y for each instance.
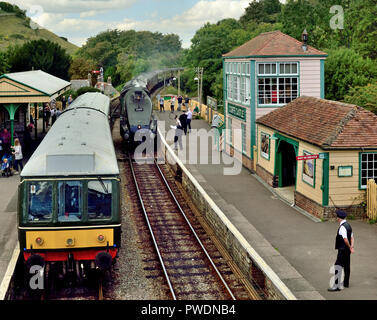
(199, 78)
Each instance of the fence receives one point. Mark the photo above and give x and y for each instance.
(372, 199)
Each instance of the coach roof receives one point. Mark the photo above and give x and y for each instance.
(79, 143)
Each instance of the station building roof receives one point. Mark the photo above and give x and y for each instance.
(274, 43)
(30, 86)
(327, 124)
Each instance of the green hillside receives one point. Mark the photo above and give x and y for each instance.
(17, 30)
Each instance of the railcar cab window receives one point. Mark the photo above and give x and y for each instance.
(40, 201)
(70, 201)
(99, 199)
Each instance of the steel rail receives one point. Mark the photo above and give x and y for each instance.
(151, 232)
(195, 234)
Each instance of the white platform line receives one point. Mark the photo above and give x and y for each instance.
(9, 273)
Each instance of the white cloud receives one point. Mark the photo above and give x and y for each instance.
(74, 6)
(186, 23)
(53, 16)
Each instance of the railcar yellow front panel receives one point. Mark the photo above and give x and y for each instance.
(69, 239)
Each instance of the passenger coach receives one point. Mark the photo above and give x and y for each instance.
(69, 200)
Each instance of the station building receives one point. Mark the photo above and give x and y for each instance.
(262, 75)
(343, 136)
(21, 93)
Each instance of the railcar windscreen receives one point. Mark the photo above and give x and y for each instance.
(70, 201)
(99, 199)
(40, 201)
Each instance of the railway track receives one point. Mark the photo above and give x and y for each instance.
(192, 266)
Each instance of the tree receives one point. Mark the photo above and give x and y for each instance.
(365, 97)
(363, 18)
(40, 55)
(4, 66)
(209, 44)
(345, 69)
(125, 66)
(80, 68)
(261, 11)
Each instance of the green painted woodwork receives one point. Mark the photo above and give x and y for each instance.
(325, 179)
(11, 108)
(322, 72)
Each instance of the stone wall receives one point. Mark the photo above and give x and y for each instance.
(309, 205)
(265, 175)
(328, 212)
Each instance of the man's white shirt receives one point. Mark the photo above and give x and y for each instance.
(343, 231)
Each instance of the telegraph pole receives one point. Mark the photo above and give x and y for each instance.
(200, 70)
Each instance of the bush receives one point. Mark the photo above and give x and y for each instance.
(365, 97)
(346, 69)
(83, 90)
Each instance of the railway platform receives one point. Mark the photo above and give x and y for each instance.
(299, 249)
(8, 225)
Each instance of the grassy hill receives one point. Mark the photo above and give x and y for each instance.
(17, 30)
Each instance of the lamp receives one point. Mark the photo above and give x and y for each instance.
(304, 38)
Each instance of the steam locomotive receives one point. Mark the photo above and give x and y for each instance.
(136, 113)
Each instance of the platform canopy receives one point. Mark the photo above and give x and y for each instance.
(29, 87)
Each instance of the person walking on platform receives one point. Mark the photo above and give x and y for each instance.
(183, 120)
(53, 116)
(178, 134)
(162, 102)
(17, 152)
(64, 103)
(1, 147)
(180, 99)
(47, 112)
(5, 136)
(344, 243)
(189, 118)
(70, 100)
(172, 103)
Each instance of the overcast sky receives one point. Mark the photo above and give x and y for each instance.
(79, 19)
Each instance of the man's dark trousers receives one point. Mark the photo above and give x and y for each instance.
(344, 260)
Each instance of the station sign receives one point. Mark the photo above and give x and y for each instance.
(212, 102)
(308, 157)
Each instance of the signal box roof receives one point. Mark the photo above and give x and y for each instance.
(274, 43)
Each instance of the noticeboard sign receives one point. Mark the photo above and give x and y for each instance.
(212, 103)
(345, 171)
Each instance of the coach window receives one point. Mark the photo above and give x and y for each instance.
(70, 201)
(99, 199)
(40, 201)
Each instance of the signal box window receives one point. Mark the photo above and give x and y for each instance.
(70, 201)
(99, 199)
(40, 201)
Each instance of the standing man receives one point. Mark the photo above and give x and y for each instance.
(162, 106)
(172, 103)
(64, 103)
(158, 98)
(180, 99)
(344, 243)
(189, 118)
